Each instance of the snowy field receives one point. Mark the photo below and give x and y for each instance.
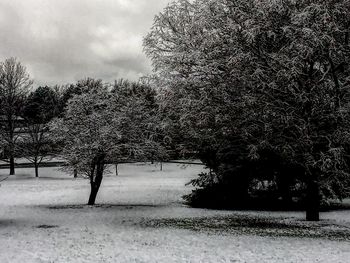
(140, 217)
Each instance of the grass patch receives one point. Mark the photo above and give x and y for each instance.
(261, 226)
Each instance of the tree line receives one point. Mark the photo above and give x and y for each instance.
(89, 124)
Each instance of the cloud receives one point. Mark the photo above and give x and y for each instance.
(61, 41)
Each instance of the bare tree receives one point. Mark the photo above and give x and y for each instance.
(35, 144)
(14, 85)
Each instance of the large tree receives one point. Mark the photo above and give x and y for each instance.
(14, 86)
(266, 74)
(100, 126)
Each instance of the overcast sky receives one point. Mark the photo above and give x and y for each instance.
(61, 41)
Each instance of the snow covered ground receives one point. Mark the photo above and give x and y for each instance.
(140, 217)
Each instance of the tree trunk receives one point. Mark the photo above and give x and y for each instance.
(96, 179)
(93, 193)
(116, 169)
(312, 201)
(284, 189)
(11, 129)
(12, 165)
(36, 166)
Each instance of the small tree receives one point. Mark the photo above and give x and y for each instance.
(36, 143)
(99, 126)
(14, 85)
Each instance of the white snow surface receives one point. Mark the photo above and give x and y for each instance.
(46, 220)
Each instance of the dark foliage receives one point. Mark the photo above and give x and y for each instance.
(41, 105)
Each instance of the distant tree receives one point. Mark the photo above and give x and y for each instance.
(82, 86)
(143, 95)
(99, 126)
(261, 76)
(36, 144)
(15, 83)
(41, 105)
